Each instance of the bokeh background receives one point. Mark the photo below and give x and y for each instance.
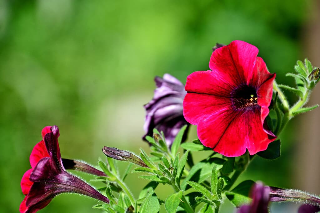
(88, 67)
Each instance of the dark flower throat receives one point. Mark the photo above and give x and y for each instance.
(244, 97)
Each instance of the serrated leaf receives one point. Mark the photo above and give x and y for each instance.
(205, 200)
(240, 194)
(177, 141)
(150, 205)
(273, 151)
(303, 110)
(146, 159)
(308, 65)
(172, 202)
(198, 187)
(150, 187)
(293, 90)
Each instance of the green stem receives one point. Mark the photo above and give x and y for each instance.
(301, 102)
(126, 190)
(281, 96)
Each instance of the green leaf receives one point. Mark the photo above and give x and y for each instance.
(150, 187)
(293, 90)
(300, 70)
(228, 166)
(206, 209)
(198, 173)
(127, 171)
(147, 160)
(177, 141)
(118, 209)
(181, 166)
(157, 154)
(303, 68)
(143, 169)
(153, 143)
(150, 205)
(273, 151)
(220, 186)
(106, 170)
(240, 194)
(198, 187)
(151, 178)
(164, 170)
(303, 110)
(297, 76)
(172, 202)
(214, 178)
(308, 65)
(166, 162)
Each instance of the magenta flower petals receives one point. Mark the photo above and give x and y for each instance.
(39, 151)
(197, 107)
(48, 177)
(165, 110)
(229, 104)
(25, 182)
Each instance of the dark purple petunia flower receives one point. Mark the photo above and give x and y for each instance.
(165, 110)
(48, 176)
(306, 208)
(260, 195)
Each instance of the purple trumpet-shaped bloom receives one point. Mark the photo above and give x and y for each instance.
(306, 208)
(48, 176)
(260, 195)
(165, 110)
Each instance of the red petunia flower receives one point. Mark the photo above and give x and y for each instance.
(48, 177)
(230, 103)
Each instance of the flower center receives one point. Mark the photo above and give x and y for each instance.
(244, 97)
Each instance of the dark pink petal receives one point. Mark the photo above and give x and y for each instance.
(209, 82)
(234, 63)
(45, 130)
(25, 182)
(197, 107)
(23, 208)
(307, 208)
(231, 133)
(39, 151)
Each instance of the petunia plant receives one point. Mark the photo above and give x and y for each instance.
(230, 106)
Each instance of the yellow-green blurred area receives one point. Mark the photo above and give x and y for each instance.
(88, 67)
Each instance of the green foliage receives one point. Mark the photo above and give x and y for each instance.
(172, 202)
(273, 151)
(240, 194)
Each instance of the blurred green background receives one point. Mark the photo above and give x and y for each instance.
(88, 67)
